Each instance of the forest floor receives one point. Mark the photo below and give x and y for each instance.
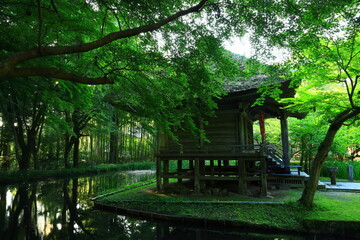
(334, 212)
(16, 176)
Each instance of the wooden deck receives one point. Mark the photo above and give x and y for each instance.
(243, 164)
(238, 164)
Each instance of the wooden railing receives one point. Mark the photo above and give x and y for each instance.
(274, 153)
(231, 149)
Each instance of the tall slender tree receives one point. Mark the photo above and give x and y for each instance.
(330, 59)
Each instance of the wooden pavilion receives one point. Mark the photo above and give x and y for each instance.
(231, 153)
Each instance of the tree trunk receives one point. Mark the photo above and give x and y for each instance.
(307, 197)
(302, 150)
(308, 194)
(91, 148)
(57, 154)
(76, 152)
(114, 142)
(24, 163)
(68, 146)
(113, 158)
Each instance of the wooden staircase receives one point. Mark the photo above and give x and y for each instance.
(281, 174)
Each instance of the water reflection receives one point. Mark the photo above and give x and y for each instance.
(62, 209)
(59, 209)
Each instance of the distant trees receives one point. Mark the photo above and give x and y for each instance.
(23, 110)
(47, 124)
(160, 76)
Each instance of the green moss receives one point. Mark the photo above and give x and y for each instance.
(290, 215)
(35, 175)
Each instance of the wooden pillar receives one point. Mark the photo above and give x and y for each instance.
(250, 140)
(158, 174)
(191, 164)
(242, 129)
(212, 168)
(263, 191)
(212, 171)
(179, 170)
(219, 167)
(242, 177)
(262, 126)
(285, 139)
(166, 172)
(202, 167)
(202, 173)
(196, 175)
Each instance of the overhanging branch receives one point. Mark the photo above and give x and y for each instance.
(56, 73)
(8, 65)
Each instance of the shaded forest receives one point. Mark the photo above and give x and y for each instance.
(47, 126)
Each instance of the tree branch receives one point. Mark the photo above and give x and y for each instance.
(54, 6)
(8, 65)
(56, 73)
(40, 26)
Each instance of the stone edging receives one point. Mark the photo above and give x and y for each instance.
(309, 225)
(183, 219)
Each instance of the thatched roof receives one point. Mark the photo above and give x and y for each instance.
(252, 83)
(246, 83)
(245, 92)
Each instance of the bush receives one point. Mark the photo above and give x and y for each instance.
(342, 165)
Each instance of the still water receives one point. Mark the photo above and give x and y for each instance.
(62, 209)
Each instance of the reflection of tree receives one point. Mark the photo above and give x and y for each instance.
(70, 203)
(25, 224)
(2, 210)
(61, 210)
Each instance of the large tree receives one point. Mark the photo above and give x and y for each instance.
(330, 58)
(88, 41)
(61, 28)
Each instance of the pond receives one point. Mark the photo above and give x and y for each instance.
(62, 209)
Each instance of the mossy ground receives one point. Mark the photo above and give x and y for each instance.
(290, 215)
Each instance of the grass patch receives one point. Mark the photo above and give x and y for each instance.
(289, 216)
(7, 177)
(144, 183)
(340, 206)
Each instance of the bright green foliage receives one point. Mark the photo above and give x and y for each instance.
(329, 87)
(326, 59)
(166, 64)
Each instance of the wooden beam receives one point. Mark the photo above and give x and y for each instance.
(166, 171)
(285, 139)
(196, 175)
(179, 168)
(212, 171)
(242, 128)
(158, 175)
(242, 183)
(191, 164)
(202, 173)
(219, 166)
(263, 177)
